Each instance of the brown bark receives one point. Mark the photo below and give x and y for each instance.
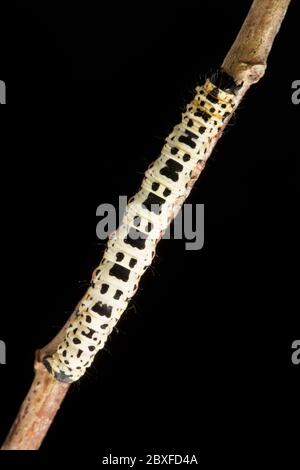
(37, 411)
(246, 64)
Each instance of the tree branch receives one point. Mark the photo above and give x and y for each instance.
(246, 64)
(246, 61)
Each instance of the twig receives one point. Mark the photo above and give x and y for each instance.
(246, 64)
(246, 61)
(37, 411)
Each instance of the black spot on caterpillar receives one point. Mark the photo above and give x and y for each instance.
(102, 309)
(119, 272)
(135, 238)
(153, 203)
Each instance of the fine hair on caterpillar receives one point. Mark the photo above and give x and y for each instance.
(131, 248)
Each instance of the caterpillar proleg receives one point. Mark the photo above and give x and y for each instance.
(132, 247)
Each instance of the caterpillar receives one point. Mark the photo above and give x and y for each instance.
(131, 248)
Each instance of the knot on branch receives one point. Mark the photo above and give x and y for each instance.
(249, 73)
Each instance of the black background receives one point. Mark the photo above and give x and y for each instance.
(202, 359)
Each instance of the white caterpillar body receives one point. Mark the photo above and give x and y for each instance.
(132, 247)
